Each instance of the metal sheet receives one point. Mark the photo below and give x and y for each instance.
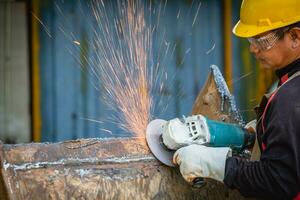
(95, 169)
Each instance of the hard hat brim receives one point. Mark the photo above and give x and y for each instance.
(246, 31)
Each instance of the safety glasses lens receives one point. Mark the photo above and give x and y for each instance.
(265, 42)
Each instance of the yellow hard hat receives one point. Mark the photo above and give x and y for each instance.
(258, 16)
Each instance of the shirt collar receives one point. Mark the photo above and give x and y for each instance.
(288, 70)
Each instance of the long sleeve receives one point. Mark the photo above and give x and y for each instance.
(277, 174)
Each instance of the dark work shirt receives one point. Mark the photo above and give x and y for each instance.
(277, 174)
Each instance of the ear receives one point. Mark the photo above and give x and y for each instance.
(295, 37)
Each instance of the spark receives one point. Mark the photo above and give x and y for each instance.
(106, 130)
(234, 81)
(183, 59)
(178, 14)
(196, 15)
(241, 77)
(76, 42)
(92, 120)
(123, 52)
(43, 25)
(125, 71)
(188, 51)
(211, 49)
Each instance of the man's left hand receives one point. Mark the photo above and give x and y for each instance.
(200, 161)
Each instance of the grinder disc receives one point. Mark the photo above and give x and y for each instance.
(154, 140)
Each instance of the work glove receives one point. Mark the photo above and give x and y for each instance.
(251, 126)
(200, 161)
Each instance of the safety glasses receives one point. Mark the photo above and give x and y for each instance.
(266, 42)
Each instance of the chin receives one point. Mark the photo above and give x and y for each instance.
(266, 65)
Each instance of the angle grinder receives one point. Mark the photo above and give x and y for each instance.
(165, 137)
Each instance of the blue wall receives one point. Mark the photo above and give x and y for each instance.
(67, 92)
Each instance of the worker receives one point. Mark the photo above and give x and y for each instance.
(273, 30)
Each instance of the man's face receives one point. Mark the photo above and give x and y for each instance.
(278, 54)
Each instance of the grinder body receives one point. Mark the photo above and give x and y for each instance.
(228, 135)
(165, 137)
(197, 129)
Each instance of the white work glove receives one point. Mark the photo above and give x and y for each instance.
(201, 161)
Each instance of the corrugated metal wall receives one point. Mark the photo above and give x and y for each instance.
(14, 73)
(67, 93)
(188, 67)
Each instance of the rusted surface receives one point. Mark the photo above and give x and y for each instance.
(102, 169)
(3, 191)
(213, 105)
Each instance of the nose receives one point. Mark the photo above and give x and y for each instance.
(253, 48)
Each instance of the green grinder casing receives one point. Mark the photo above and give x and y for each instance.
(227, 135)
